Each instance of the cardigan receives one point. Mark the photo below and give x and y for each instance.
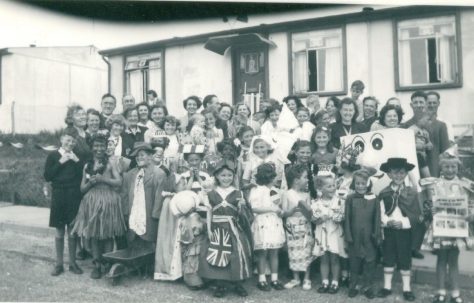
(338, 131)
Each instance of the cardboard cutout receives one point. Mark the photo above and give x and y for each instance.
(374, 148)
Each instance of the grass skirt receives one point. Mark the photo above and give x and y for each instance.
(100, 214)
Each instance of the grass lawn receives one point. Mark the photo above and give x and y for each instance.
(26, 261)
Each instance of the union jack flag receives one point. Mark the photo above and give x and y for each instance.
(220, 248)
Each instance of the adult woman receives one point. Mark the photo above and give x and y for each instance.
(116, 125)
(144, 115)
(346, 122)
(157, 115)
(390, 117)
(321, 118)
(191, 105)
(93, 124)
(133, 132)
(293, 103)
(224, 121)
(243, 112)
(332, 105)
(76, 119)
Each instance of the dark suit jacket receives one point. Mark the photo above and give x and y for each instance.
(337, 131)
(129, 139)
(439, 137)
(154, 182)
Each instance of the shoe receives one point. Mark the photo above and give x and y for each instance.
(196, 288)
(439, 298)
(263, 286)
(333, 289)
(457, 299)
(220, 292)
(96, 272)
(306, 284)
(240, 291)
(408, 296)
(75, 269)
(277, 285)
(417, 254)
(369, 294)
(82, 255)
(323, 288)
(58, 269)
(353, 292)
(292, 284)
(383, 293)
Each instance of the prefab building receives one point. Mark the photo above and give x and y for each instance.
(38, 83)
(393, 50)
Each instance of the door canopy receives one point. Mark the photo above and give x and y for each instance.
(221, 43)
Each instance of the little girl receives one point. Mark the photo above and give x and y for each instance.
(298, 227)
(328, 213)
(270, 126)
(244, 137)
(267, 227)
(301, 154)
(305, 128)
(324, 153)
(226, 256)
(228, 152)
(362, 232)
(197, 129)
(214, 135)
(447, 249)
(261, 151)
(171, 125)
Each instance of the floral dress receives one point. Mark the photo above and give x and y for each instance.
(267, 228)
(328, 235)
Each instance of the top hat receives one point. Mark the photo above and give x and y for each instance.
(396, 163)
(138, 146)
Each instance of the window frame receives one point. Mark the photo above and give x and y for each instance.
(145, 78)
(457, 25)
(290, 34)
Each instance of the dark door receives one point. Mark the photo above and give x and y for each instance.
(250, 71)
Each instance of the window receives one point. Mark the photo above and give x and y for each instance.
(428, 53)
(317, 62)
(143, 73)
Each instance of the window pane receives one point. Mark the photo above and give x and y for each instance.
(300, 74)
(154, 80)
(419, 61)
(135, 84)
(313, 71)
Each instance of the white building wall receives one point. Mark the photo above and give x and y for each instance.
(278, 66)
(117, 80)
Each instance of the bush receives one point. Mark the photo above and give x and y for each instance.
(25, 182)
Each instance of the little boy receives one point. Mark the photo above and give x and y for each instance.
(64, 170)
(400, 211)
(423, 143)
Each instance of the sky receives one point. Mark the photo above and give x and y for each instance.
(22, 24)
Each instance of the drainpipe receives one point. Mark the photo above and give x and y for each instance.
(109, 68)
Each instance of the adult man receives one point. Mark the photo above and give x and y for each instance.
(418, 105)
(107, 105)
(211, 101)
(370, 105)
(152, 98)
(128, 101)
(438, 133)
(357, 89)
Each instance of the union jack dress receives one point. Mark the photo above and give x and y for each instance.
(226, 255)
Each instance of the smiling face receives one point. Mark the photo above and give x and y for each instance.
(303, 154)
(225, 113)
(360, 185)
(432, 104)
(347, 113)
(330, 108)
(194, 161)
(449, 169)
(274, 116)
(243, 111)
(391, 119)
(247, 138)
(98, 149)
(292, 105)
(228, 152)
(260, 149)
(302, 116)
(110, 148)
(200, 121)
(170, 128)
(398, 175)
(158, 155)
(157, 114)
(143, 158)
(143, 113)
(210, 120)
(328, 187)
(321, 139)
(132, 118)
(128, 102)
(418, 104)
(191, 106)
(370, 108)
(79, 118)
(108, 105)
(301, 183)
(225, 178)
(68, 143)
(93, 123)
(116, 129)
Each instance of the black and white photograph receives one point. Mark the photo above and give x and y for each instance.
(236, 151)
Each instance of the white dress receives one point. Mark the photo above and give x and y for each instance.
(251, 166)
(329, 235)
(267, 228)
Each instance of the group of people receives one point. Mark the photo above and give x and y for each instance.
(217, 197)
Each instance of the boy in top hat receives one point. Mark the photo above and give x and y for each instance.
(400, 211)
(142, 197)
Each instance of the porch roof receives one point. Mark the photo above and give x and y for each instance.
(220, 44)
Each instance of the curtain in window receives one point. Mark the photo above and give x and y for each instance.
(446, 53)
(333, 65)
(404, 58)
(154, 76)
(135, 84)
(300, 72)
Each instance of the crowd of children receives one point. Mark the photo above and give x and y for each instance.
(218, 204)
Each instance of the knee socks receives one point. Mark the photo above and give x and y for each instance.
(387, 277)
(59, 244)
(406, 276)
